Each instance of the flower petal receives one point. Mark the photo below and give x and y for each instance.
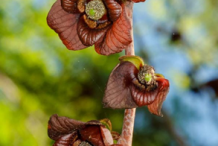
(117, 93)
(115, 135)
(114, 9)
(59, 126)
(92, 134)
(66, 140)
(89, 36)
(65, 24)
(163, 89)
(137, 1)
(117, 37)
(140, 95)
(94, 123)
(106, 136)
(69, 6)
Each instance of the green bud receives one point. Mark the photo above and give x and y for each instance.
(92, 12)
(148, 77)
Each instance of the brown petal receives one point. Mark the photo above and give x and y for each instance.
(69, 6)
(65, 24)
(66, 140)
(87, 35)
(106, 136)
(59, 126)
(140, 95)
(91, 23)
(137, 1)
(163, 89)
(81, 5)
(94, 123)
(118, 36)
(92, 134)
(114, 9)
(117, 93)
(115, 135)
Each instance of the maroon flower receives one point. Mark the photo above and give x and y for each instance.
(83, 23)
(133, 84)
(69, 132)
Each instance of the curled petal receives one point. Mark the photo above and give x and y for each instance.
(66, 140)
(94, 122)
(65, 24)
(106, 136)
(81, 5)
(92, 134)
(59, 126)
(69, 6)
(163, 89)
(137, 1)
(114, 9)
(118, 36)
(140, 95)
(115, 135)
(117, 93)
(89, 36)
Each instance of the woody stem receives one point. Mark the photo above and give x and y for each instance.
(129, 114)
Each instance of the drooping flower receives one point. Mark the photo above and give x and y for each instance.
(69, 132)
(83, 23)
(134, 84)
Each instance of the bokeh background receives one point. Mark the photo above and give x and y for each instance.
(40, 77)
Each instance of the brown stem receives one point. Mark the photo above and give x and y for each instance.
(129, 9)
(129, 115)
(128, 125)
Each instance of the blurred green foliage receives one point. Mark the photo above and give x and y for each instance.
(40, 77)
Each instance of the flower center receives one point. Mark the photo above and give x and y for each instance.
(95, 9)
(146, 77)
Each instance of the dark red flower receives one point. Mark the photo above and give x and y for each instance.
(133, 84)
(69, 132)
(83, 23)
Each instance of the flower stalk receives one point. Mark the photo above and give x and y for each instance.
(129, 114)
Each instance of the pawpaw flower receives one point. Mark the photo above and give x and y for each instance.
(83, 23)
(69, 132)
(134, 84)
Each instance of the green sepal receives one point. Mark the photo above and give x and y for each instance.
(106, 123)
(136, 60)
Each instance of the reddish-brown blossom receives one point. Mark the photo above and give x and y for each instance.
(133, 84)
(69, 132)
(83, 23)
